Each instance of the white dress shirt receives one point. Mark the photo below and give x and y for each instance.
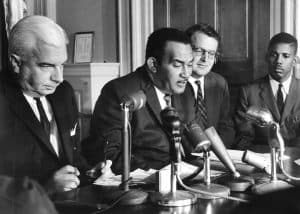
(195, 86)
(161, 98)
(54, 136)
(285, 86)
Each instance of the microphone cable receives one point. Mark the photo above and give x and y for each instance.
(281, 165)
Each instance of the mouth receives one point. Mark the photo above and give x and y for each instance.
(50, 87)
(181, 83)
(201, 65)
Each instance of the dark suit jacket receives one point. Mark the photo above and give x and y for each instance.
(24, 148)
(260, 94)
(150, 143)
(217, 101)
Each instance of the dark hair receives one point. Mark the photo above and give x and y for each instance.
(158, 39)
(204, 28)
(283, 38)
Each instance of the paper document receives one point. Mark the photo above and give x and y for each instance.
(137, 176)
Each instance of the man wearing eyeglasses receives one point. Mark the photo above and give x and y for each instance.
(210, 90)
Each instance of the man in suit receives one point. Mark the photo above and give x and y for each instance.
(208, 90)
(166, 71)
(38, 111)
(278, 92)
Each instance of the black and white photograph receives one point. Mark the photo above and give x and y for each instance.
(149, 106)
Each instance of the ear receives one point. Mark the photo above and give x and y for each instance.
(296, 59)
(15, 61)
(152, 64)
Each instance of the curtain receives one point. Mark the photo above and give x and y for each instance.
(3, 40)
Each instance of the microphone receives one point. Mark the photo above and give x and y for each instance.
(135, 101)
(261, 116)
(170, 118)
(171, 121)
(197, 137)
(219, 149)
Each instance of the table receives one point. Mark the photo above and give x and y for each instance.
(85, 199)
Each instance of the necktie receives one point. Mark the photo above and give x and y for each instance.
(43, 118)
(280, 103)
(168, 99)
(200, 106)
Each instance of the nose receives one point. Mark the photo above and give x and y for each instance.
(279, 59)
(186, 71)
(204, 56)
(57, 74)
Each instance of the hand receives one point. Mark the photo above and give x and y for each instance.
(64, 179)
(102, 169)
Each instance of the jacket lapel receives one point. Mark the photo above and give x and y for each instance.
(152, 99)
(268, 98)
(292, 98)
(209, 97)
(23, 110)
(59, 111)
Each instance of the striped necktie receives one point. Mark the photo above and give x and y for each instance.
(200, 106)
(280, 102)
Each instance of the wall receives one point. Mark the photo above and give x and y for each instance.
(91, 15)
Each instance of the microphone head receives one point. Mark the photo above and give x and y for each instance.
(170, 118)
(197, 137)
(261, 116)
(219, 149)
(135, 101)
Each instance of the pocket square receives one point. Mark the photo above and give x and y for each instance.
(73, 131)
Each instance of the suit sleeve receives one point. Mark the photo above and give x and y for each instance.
(245, 129)
(225, 125)
(106, 131)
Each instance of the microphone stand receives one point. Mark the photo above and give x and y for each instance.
(275, 149)
(214, 190)
(176, 198)
(132, 197)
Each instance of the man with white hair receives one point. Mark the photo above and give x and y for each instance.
(38, 109)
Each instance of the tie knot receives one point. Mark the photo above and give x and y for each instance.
(167, 98)
(198, 83)
(280, 85)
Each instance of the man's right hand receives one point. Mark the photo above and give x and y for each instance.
(64, 179)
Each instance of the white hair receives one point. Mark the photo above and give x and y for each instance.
(31, 31)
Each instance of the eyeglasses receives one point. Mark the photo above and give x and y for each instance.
(201, 52)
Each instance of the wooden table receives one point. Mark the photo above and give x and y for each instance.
(85, 199)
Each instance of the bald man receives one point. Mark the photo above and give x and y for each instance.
(38, 111)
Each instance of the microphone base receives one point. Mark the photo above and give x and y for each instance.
(239, 184)
(271, 186)
(133, 197)
(216, 190)
(178, 199)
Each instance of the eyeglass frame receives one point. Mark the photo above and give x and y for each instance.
(201, 52)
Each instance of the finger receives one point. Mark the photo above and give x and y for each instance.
(76, 171)
(70, 169)
(108, 163)
(67, 169)
(71, 185)
(65, 178)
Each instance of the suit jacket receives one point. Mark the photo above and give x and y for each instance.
(150, 142)
(217, 101)
(24, 147)
(260, 94)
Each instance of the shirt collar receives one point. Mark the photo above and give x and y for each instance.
(195, 86)
(286, 84)
(160, 96)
